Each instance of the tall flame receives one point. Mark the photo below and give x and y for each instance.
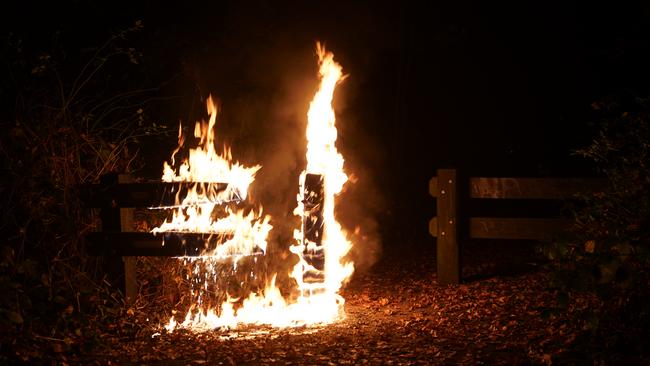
(318, 302)
(324, 159)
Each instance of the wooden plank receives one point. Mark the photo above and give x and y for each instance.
(433, 186)
(148, 244)
(516, 228)
(448, 263)
(533, 188)
(312, 227)
(127, 225)
(144, 194)
(510, 228)
(111, 220)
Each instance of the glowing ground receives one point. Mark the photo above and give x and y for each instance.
(397, 314)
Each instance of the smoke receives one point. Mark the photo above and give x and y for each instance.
(265, 90)
(280, 148)
(360, 204)
(356, 211)
(268, 126)
(264, 121)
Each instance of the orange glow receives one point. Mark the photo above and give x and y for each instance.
(317, 302)
(194, 212)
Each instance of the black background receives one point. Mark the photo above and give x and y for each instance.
(493, 89)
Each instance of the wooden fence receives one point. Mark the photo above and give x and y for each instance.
(452, 225)
(117, 196)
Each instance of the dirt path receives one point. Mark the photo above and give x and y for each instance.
(396, 314)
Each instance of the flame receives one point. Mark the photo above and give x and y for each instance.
(208, 172)
(324, 159)
(317, 302)
(206, 165)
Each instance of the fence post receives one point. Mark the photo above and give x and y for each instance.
(121, 270)
(448, 264)
(126, 225)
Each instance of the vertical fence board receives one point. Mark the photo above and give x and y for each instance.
(109, 213)
(126, 225)
(447, 239)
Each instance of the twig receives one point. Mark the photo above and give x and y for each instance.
(49, 338)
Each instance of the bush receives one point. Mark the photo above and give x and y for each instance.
(68, 125)
(608, 252)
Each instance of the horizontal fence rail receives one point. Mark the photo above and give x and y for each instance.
(526, 188)
(147, 194)
(510, 227)
(448, 193)
(167, 244)
(116, 197)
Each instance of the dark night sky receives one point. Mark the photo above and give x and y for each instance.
(492, 89)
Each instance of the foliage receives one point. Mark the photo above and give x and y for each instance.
(609, 250)
(73, 118)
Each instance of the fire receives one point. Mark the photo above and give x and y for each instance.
(206, 165)
(324, 171)
(320, 243)
(210, 171)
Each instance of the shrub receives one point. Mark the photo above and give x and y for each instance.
(608, 252)
(68, 125)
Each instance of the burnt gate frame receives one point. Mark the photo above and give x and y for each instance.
(118, 195)
(451, 226)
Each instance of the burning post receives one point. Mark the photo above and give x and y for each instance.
(312, 227)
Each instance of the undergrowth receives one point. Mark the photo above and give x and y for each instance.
(608, 251)
(70, 118)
